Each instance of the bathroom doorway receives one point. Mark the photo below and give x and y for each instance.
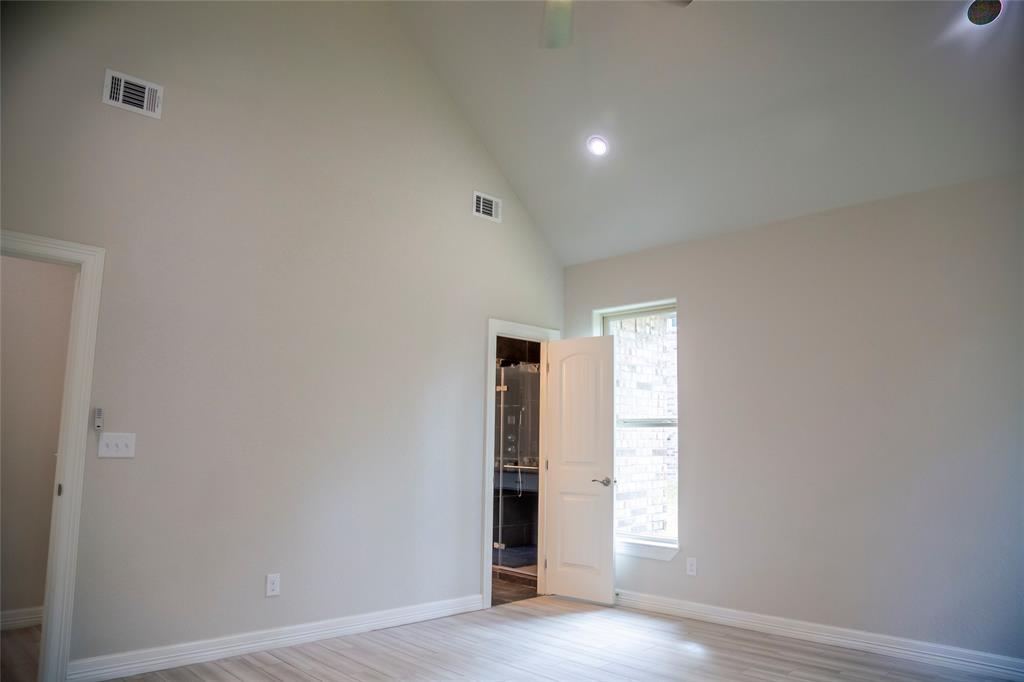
(513, 547)
(548, 461)
(516, 469)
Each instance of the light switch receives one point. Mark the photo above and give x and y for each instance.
(116, 445)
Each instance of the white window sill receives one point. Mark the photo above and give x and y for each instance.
(646, 549)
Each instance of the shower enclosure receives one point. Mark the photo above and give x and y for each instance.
(516, 466)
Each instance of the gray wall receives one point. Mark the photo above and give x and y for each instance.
(294, 308)
(850, 414)
(36, 318)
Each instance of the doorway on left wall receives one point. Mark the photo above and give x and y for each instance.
(516, 470)
(35, 320)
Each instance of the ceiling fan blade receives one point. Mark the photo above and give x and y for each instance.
(557, 28)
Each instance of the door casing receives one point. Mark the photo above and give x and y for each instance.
(513, 330)
(55, 647)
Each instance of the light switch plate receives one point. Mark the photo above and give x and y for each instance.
(116, 445)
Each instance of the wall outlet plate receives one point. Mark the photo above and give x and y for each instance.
(691, 565)
(273, 584)
(118, 445)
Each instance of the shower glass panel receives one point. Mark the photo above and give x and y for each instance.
(516, 467)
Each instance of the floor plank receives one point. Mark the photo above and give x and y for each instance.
(543, 638)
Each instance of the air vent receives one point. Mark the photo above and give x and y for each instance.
(487, 206)
(134, 94)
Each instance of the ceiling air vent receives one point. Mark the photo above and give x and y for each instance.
(487, 206)
(131, 93)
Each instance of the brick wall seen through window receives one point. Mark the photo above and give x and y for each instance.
(646, 432)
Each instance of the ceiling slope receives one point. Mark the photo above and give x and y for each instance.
(725, 115)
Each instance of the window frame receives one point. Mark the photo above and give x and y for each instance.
(643, 546)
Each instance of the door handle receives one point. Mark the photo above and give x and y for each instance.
(606, 481)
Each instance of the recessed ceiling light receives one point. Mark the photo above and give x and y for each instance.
(597, 145)
(983, 12)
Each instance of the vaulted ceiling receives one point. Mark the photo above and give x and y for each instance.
(725, 115)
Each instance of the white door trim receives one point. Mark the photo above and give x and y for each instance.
(55, 647)
(514, 330)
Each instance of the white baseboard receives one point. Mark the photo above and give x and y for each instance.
(1005, 667)
(21, 618)
(147, 660)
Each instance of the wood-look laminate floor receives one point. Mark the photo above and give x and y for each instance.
(552, 639)
(19, 654)
(509, 588)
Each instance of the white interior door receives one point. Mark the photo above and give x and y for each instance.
(579, 446)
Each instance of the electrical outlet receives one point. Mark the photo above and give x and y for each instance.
(273, 584)
(691, 565)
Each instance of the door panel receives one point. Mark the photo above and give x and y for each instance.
(581, 514)
(580, 405)
(579, 435)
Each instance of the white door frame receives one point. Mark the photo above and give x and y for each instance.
(55, 647)
(512, 330)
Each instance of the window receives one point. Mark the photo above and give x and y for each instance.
(646, 425)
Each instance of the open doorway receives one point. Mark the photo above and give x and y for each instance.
(35, 327)
(54, 646)
(558, 539)
(513, 481)
(516, 470)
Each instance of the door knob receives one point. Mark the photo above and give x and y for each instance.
(606, 481)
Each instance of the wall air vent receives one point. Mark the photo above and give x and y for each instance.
(131, 93)
(487, 206)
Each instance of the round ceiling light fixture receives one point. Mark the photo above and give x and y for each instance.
(983, 12)
(597, 145)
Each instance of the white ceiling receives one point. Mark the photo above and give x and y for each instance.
(724, 115)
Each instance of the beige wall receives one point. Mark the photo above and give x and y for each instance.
(851, 393)
(294, 309)
(294, 316)
(36, 314)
